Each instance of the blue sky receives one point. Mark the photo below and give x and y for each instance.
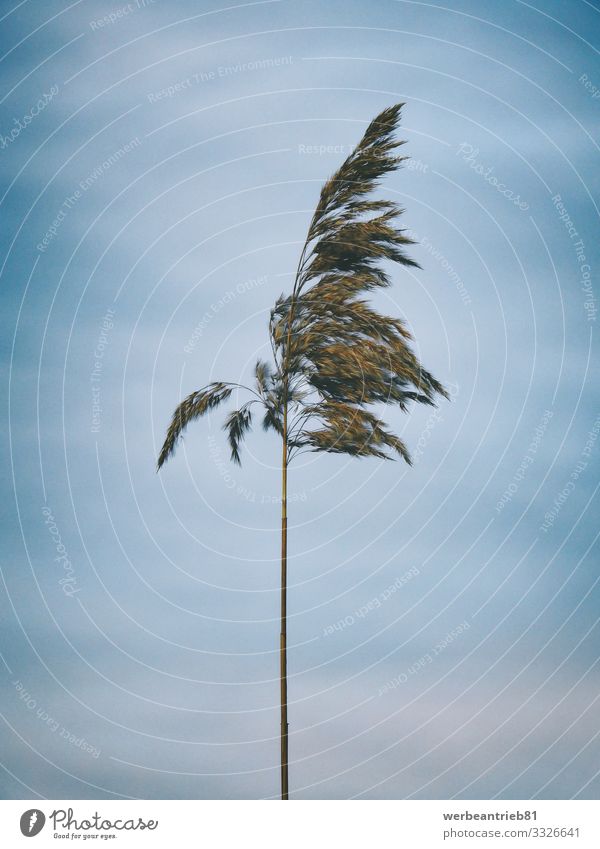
(170, 155)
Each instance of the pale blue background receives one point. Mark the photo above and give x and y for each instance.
(165, 659)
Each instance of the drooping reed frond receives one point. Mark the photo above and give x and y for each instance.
(237, 424)
(194, 406)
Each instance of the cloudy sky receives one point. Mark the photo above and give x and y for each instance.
(160, 162)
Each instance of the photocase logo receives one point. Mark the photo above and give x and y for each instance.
(32, 822)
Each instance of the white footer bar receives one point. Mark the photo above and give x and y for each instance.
(302, 824)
